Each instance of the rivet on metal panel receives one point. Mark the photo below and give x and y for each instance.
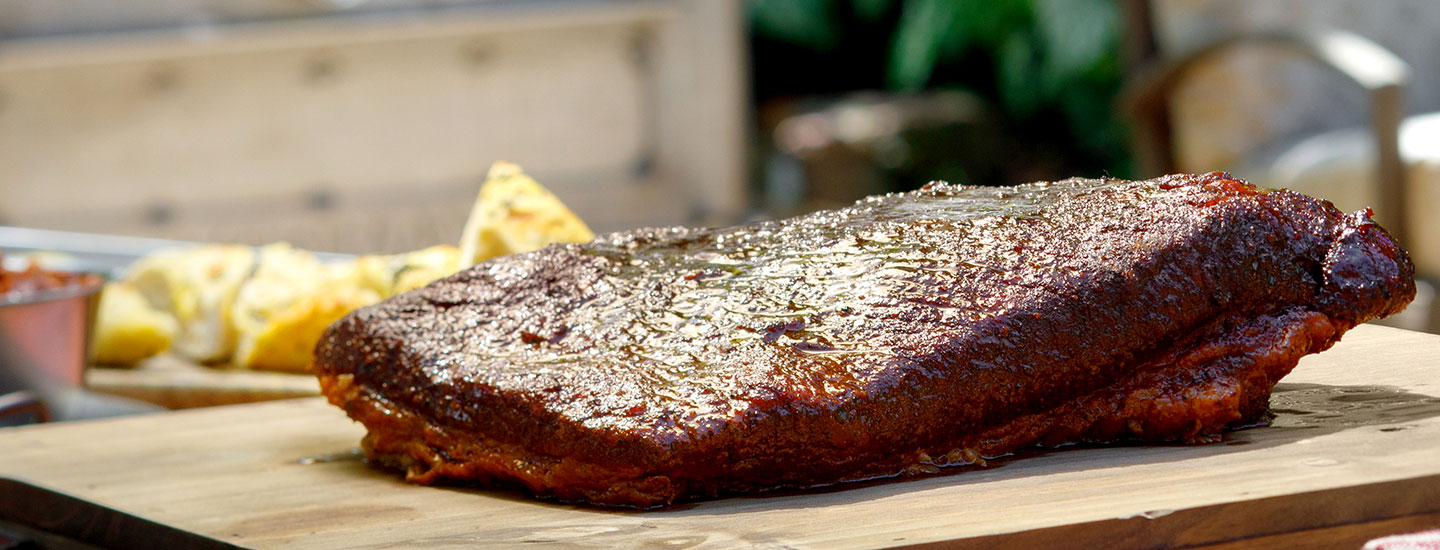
(641, 49)
(644, 167)
(162, 78)
(320, 199)
(699, 215)
(321, 68)
(159, 214)
(477, 53)
(336, 4)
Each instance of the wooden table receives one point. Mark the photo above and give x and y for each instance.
(1355, 454)
(176, 383)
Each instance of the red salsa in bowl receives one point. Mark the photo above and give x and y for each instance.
(45, 321)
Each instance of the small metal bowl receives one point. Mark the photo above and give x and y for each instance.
(45, 336)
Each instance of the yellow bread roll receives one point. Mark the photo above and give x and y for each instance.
(196, 286)
(514, 214)
(127, 329)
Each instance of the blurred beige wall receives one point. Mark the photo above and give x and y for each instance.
(364, 129)
(1251, 98)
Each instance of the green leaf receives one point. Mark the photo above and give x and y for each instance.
(809, 23)
(1077, 34)
(1017, 70)
(923, 26)
(992, 22)
(871, 10)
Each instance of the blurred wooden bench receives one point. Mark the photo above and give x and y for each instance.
(175, 383)
(360, 126)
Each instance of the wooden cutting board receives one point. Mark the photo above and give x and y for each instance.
(1355, 453)
(176, 383)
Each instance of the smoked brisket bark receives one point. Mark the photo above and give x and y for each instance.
(903, 333)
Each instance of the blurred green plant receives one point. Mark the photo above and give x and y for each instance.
(1034, 59)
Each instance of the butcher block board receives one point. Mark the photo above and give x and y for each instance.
(176, 383)
(1354, 454)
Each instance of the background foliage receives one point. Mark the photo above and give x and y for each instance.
(1050, 68)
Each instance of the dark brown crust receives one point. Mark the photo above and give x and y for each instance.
(905, 332)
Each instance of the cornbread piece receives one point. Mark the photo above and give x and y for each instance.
(127, 330)
(901, 334)
(197, 286)
(514, 213)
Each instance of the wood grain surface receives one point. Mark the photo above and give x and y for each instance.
(1354, 454)
(176, 383)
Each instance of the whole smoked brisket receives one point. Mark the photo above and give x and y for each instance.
(904, 333)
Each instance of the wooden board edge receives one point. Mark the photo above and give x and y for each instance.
(1360, 511)
(14, 536)
(89, 523)
(1349, 536)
